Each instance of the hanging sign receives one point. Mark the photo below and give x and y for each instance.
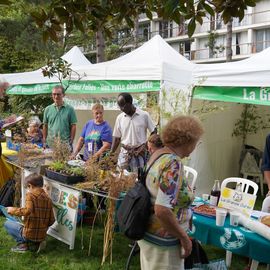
(65, 203)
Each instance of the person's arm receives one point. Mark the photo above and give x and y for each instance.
(72, 133)
(52, 218)
(78, 147)
(150, 125)
(24, 211)
(44, 134)
(267, 180)
(106, 146)
(154, 131)
(115, 143)
(169, 223)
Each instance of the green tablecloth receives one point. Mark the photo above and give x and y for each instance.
(238, 239)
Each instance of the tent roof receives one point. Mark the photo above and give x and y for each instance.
(74, 56)
(154, 60)
(254, 71)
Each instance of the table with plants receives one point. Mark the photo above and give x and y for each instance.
(100, 178)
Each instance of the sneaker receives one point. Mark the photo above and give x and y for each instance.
(21, 248)
(42, 246)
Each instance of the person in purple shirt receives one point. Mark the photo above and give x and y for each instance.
(96, 136)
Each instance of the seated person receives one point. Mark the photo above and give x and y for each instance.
(154, 143)
(34, 132)
(38, 216)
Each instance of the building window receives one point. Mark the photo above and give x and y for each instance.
(166, 29)
(219, 22)
(262, 39)
(184, 49)
(237, 45)
(144, 31)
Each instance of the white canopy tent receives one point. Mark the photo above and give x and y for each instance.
(33, 82)
(245, 81)
(241, 82)
(148, 68)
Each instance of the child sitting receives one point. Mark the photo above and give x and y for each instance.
(38, 216)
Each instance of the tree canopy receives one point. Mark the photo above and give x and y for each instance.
(96, 14)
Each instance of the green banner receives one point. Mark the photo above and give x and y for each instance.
(250, 95)
(102, 86)
(88, 87)
(31, 89)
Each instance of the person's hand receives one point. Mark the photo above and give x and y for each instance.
(186, 247)
(72, 156)
(10, 209)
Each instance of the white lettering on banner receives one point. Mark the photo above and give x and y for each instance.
(249, 96)
(264, 94)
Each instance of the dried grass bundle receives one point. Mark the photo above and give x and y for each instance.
(61, 150)
(118, 184)
(95, 170)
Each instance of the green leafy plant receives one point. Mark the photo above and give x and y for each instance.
(62, 167)
(212, 44)
(250, 122)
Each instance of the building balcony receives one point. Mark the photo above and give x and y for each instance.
(239, 52)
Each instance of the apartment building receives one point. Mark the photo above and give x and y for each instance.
(207, 45)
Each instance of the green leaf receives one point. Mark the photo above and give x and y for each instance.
(149, 14)
(45, 36)
(241, 15)
(226, 16)
(199, 19)
(52, 34)
(129, 22)
(250, 3)
(209, 9)
(191, 27)
(5, 2)
(171, 6)
(78, 24)
(61, 12)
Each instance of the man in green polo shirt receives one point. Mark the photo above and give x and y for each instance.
(59, 119)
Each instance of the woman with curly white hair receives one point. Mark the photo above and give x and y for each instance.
(166, 242)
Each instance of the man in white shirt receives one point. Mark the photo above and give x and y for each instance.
(131, 131)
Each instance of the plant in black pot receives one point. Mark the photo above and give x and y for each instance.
(62, 172)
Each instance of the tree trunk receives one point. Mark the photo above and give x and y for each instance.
(229, 41)
(100, 42)
(136, 32)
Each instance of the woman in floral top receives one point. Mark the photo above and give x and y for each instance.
(166, 242)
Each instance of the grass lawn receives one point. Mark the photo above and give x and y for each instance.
(58, 256)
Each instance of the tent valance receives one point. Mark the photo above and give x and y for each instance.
(251, 95)
(89, 87)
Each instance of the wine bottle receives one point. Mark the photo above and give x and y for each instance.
(215, 194)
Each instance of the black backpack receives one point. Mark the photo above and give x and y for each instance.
(7, 193)
(135, 209)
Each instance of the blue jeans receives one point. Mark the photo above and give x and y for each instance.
(15, 229)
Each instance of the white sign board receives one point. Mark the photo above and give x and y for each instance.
(237, 200)
(65, 201)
